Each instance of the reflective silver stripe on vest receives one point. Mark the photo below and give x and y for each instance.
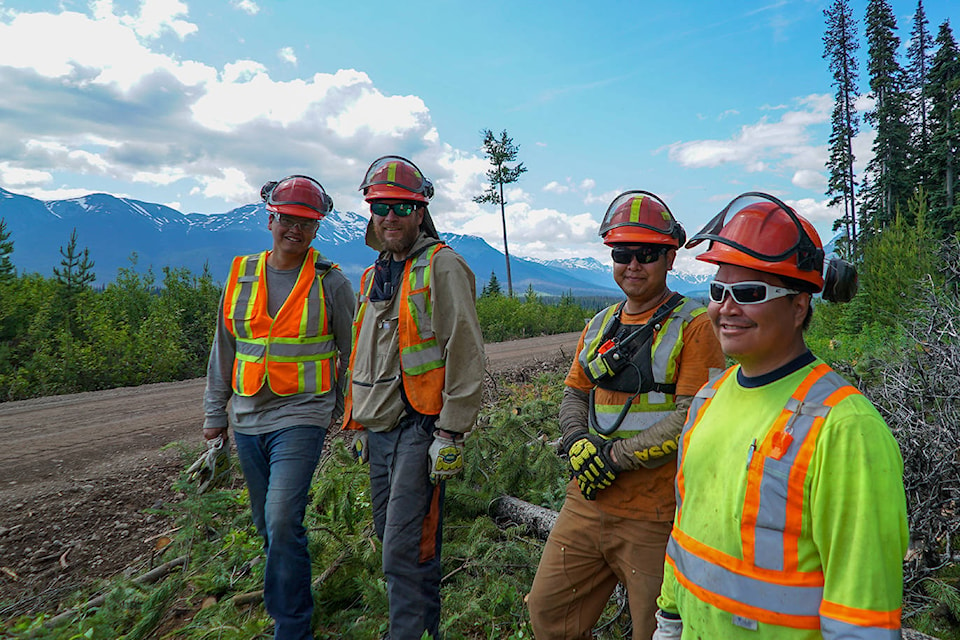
(417, 359)
(831, 628)
(313, 313)
(595, 329)
(247, 279)
(772, 511)
(769, 596)
(669, 336)
(634, 420)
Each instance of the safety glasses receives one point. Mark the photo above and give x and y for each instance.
(400, 209)
(645, 254)
(289, 222)
(752, 292)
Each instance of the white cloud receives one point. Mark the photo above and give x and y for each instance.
(555, 187)
(19, 177)
(807, 179)
(754, 146)
(231, 184)
(287, 55)
(247, 6)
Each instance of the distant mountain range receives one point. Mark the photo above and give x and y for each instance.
(114, 229)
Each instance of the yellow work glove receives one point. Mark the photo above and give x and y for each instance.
(446, 455)
(360, 446)
(589, 458)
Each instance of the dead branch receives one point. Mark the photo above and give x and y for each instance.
(147, 578)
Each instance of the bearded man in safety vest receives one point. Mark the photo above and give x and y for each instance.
(416, 376)
(637, 366)
(282, 343)
(791, 516)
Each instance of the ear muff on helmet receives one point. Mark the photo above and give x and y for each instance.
(840, 281)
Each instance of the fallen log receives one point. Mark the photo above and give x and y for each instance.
(538, 520)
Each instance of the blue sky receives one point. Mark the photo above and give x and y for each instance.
(196, 104)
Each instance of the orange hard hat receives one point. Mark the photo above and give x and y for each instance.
(297, 196)
(393, 177)
(760, 232)
(640, 217)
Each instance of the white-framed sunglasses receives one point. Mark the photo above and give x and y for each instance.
(751, 292)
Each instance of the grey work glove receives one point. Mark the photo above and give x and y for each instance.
(212, 468)
(360, 448)
(446, 455)
(669, 626)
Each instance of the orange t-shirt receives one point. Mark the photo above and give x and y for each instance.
(648, 494)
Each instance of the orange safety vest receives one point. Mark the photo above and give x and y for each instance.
(422, 366)
(292, 353)
(765, 583)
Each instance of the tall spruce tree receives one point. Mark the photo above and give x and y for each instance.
(919, 58)
(7, 272)
(76, 272)
(944, 93)
(839, 49)
(888, 167)
(500, 151)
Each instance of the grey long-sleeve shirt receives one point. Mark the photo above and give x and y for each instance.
(265, 411)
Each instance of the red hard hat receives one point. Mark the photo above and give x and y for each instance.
(393, 177)
(640, 217)
(297, 196)
(764, 234)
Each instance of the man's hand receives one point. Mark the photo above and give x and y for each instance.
(668, 626)
(590, 460)
(360, 447)
(216, 432)
(212, 468)
(446, 455)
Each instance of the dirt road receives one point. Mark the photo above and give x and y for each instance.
(76, 472)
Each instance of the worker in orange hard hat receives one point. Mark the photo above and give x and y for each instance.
(638, 364)
(416, 384)
(278, 357)
(787, 475)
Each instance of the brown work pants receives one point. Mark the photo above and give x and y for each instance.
(587, 553)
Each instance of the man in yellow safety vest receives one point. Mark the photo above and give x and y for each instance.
(791, 516)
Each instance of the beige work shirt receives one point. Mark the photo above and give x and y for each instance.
(375, 378)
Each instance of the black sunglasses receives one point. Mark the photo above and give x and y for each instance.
(401, 209)
(646, 254)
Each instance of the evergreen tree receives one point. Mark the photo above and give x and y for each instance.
(492, 288)
(500, 151)
(890, 179)
(919, 57)
(840, 47)
(944, 93)
(7, 272)
(76, 273)
(530, 297)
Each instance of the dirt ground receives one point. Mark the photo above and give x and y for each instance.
(77, 473)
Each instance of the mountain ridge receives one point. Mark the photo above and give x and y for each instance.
(128, 233)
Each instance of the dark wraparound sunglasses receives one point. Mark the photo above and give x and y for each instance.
(400, 209)
(644, 255)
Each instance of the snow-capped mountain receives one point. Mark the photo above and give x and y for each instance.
(121, 232)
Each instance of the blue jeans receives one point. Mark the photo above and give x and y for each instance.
(408, 519)
(278, 467)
